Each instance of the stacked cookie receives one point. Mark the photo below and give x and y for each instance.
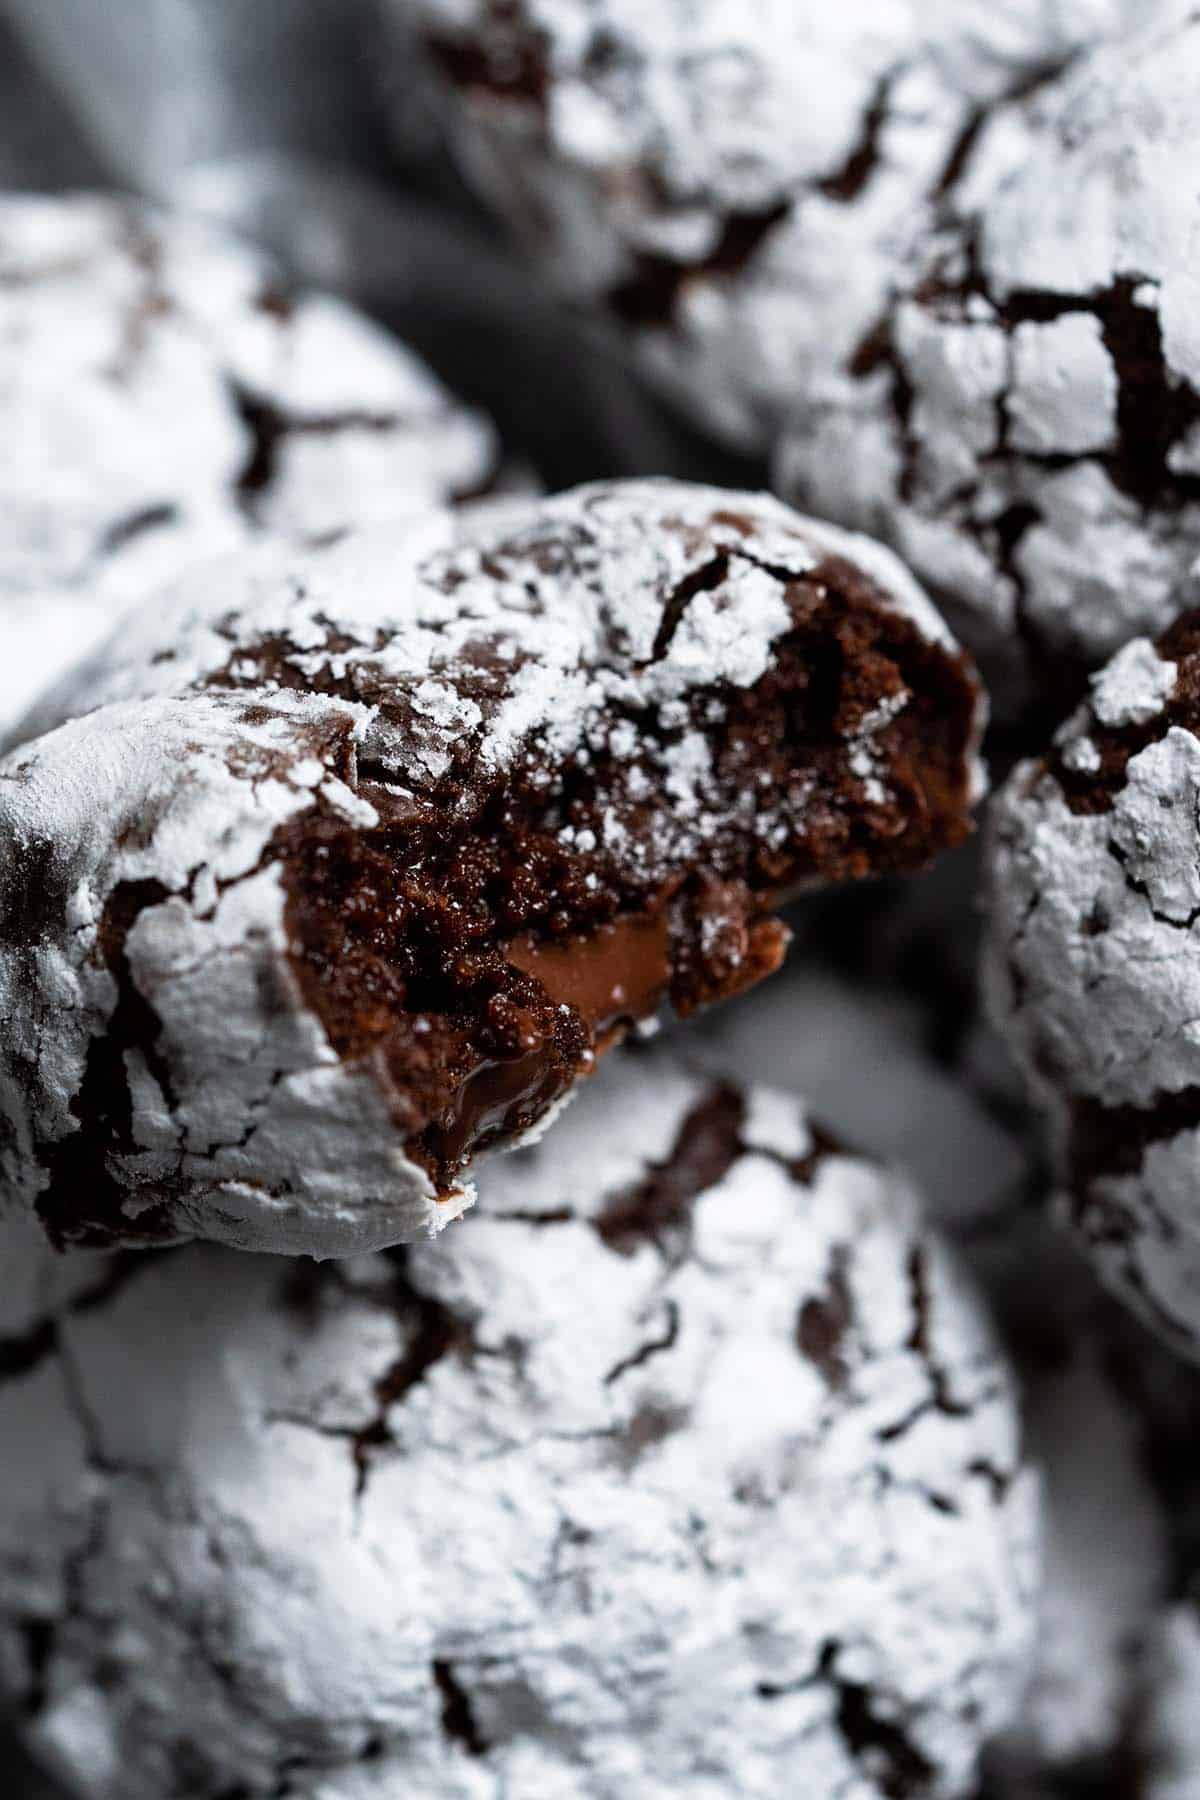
(442, 1354)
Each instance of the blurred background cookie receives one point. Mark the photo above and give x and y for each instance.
(166, 397)
(401, 1521)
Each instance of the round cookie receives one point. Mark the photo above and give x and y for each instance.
(1109, 1417)
(689, 1467)
(1166, 1753)
(738, 186)
(1025, 428)
(165, 396)
(395, 838)
(1111, 1420)
(1092, 968)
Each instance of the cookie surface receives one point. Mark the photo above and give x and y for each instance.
(1025, 429)
(870, 1055)
(1111, 1417)
(393, 840)
(689, 1466)
(658, 161)
(1092, 967)
(165, 397)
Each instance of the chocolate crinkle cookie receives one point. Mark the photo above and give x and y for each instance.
(1112, 1707)
(1111, 1419)
(689, 1467)
(1025, 427)
(385, 844)
(164, 395)
(1093, 972)
(736, 184)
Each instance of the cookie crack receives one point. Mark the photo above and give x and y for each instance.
(653, 1347)
(658, 1209)
(459, 1723)
(824, 1321)
(1109, 1141)
(650, 294)
(22, 1353)
(704, 580)
(847, 183)
(268, 427)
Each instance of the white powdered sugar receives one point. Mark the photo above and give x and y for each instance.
(1024, 428)
(164, 398)
(1169, 1727)
(738, 183)
(1094, 976)
(1134, 687)
(689, 1462)
(571, 596)
(1107, 1410)
(162, 969)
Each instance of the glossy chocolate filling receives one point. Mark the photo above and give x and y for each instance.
(620, 972)
(486, 942)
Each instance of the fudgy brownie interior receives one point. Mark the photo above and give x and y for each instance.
(495, 933)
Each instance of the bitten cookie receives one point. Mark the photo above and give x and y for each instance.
(737, 184)
(1093, 969)
(164, 396)
(398, 837)
(1025, 429)
(689, 1467)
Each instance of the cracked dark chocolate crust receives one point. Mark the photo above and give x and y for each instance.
(440, 1519)
(1091, 964)
(505, 57)
(1155, 417)
(566, 770)
(1023, 422)
(656, 171)
(1093, 788)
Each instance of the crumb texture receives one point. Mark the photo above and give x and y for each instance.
(1093, 973)
(365, 853)
(164, 397)
(658, 164)
(690, 1461)
(1025, 427)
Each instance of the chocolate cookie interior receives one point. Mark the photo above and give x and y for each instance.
(496, 932)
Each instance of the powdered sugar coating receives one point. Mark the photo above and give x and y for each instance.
(1109, 1417)
(577, 588)
(1168, 1737)
(738, 182)
(1093, 972)
(161, 971)
(1025, 429)
(688, 1467)
(154, 1021)
(165, 397)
